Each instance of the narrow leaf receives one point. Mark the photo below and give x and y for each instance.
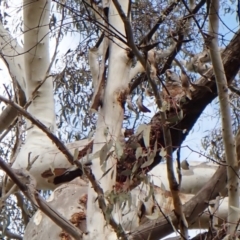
(149, 161)
(104, 151)
(126, 172)
(118, 149)
(146, 135)
(75, 154)
(138, 152)
(155, 147)
(104, 174)
(140, 128)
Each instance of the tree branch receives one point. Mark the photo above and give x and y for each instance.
(161, 227)
(9, 234)
(191, 111)
(227, 132)
(234, 89)
(9, 113)
(160, 20)
(36, 122)
(30, 192)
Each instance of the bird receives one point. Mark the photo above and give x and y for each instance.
(186, 84)
(173, 85)
(140, 105)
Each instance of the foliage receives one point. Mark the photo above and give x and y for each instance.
(73, 82)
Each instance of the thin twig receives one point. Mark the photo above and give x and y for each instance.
(160, 20)
(234, 89)
(10, 235)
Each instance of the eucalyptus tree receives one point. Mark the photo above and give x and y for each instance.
(129, 51)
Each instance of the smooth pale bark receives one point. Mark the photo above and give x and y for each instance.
(227, 131)
(51, 162)
(109, 125)
(36, 43)
(10, 113)
(229, 65)
(13, 57)
(41, 144)
(40, 227)
(193, 178)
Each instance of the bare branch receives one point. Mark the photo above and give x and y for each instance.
(9, 234)
(174, 186)
(21, 205)
(160, 20)
(9, 114)
(234, 89)
(160, 228)
(36, 122)
(30, 192)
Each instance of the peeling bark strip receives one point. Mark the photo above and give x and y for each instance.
(67, 176)
(10, 113)
(76, 218)
(97, 99)
(87, 149)
(99, 79)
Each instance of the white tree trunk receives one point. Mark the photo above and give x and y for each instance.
(13, 56)
(109, 125)
(41, 227)
(36, 43)
(227, 132)
(37, 60)
(110, 116)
